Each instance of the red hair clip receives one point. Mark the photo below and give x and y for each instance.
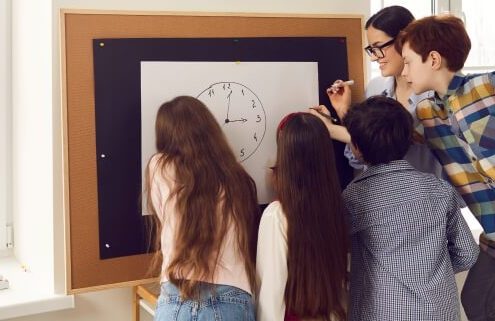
(286, 119)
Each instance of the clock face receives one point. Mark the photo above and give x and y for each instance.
(240, 113)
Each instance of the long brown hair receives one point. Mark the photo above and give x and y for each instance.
(307, 185)
(212, 192)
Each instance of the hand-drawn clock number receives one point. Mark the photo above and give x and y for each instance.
(244, 125)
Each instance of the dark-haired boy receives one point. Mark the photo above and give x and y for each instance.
(459, 127)
(408, 235)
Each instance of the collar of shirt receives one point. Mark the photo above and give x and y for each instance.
(437, 100)
(457, 81)
(415, 99)
(393, 166)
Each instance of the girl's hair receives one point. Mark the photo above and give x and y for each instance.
(212, 190)
(307, 185)
(390, 20)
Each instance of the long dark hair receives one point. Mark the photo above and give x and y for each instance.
(390, 20)
(307, 185)
(212, 192)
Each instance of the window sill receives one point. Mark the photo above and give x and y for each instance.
(23, 297)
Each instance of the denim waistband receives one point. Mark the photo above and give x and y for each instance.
(209, 293)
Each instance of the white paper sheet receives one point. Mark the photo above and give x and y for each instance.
(257, 96)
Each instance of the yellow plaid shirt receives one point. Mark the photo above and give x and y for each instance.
(460, 130)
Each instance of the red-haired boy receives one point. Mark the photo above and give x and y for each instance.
(459, 127)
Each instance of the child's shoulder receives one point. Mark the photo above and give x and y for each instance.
(476, 81)
(273, 215)
(408, 182)
(487, 76)
(273, 210)
(426, 185)
(156, 158)
(155, 166)
(436, 182)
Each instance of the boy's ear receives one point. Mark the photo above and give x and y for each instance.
(435, 60)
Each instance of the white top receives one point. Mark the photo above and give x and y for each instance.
(271, 264)
(230, 269)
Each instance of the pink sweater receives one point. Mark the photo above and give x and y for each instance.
(230, 267)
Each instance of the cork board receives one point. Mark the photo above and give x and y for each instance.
(85, 268)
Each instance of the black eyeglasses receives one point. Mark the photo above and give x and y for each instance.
(377, 50)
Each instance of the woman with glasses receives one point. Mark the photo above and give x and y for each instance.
(381, 30)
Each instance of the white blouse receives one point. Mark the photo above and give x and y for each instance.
(271, 264)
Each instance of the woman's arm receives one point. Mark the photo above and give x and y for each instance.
(337, 132)
(340, 98)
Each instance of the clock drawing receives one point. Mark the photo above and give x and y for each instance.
(240, 113)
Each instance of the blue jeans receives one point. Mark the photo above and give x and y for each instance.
(216, 303)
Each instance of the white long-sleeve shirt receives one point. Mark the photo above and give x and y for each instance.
(271, 264)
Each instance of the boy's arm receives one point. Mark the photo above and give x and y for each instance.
(463, 249)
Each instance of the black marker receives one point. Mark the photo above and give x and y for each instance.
(333, 119)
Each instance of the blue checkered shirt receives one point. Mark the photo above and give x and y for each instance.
(408, 240)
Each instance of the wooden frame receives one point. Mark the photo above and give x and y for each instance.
(78, 27)
(148, 293)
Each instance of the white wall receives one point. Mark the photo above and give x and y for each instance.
(32, 132)
(5, 123)
(38, 165)
(279, 6)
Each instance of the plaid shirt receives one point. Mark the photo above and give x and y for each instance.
(460, 129)
(408, 240)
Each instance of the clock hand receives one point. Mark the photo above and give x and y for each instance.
(228, 107)
(242, 120)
